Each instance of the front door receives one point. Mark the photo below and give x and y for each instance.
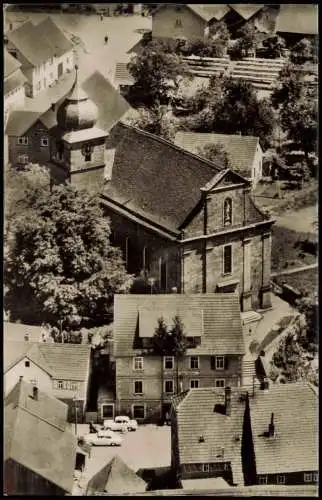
(60, 69)
(107, 411)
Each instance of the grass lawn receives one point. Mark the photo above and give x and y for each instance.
(287, 249)
(303, 280)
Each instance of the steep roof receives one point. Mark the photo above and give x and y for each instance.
(111, 105)
(208, 12)
(12, 82)
(36, 436)
(196, 417)
(241, 149)
(55, 37)
(13, 352)
(298, 18)
(11, 64)
(116, 478)
(25, 39)
(16, 332)
(68, 361)
(246, 10)
(20, 121)
(221, 328)
(146, 166)
(295, 408)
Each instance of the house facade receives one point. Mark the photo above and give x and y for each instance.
(42, 64)
(213, 432)
(145, 380)
(14, 83)
(177, 21)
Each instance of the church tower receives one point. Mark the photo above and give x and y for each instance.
(78, 150)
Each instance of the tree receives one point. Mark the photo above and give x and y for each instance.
(308, 306)
(275, 46)
(302, 52)
(179, 344)
(158, 120)
(161, 343)
(289, 88)
(155, 74)
(61, 266)
(246, 41)
(215, 153)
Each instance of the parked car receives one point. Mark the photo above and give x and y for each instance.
(121, 424)
(103, 439)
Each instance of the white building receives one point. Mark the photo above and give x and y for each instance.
(13, 85)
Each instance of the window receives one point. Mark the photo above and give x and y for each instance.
(280, 479)
(59, 384)
(44, 141)
(168, 363)
(138, 364)
(26, 337)
(194, 384)
(307, 477)
(27, 364)
(87, 150)
(205, 467)
(138, 387)
(228, 205)
(228, 265)
(138, 411)
(220, 382)
(68, 385)
(178, 23)
(168, 386)
(38, 86)
(194, 362)
(23, 141)
(23, 159)
(220, 363)
(262, 479)
(316, 477)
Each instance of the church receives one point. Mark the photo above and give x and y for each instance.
(182, 222)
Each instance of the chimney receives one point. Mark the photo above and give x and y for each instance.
(35, 393)
(228, 401)
(271, 427)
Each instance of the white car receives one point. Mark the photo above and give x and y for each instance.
(121, 424)
(102, 438)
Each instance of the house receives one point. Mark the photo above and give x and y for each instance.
(244, 151)
(115, 478)
(247, 438)
(39, 450)
(240, 15)
(16, 332)
(206, 235)
(146, 382)
(62, 370)
(41, 63)
(13, 84)
(297, 21)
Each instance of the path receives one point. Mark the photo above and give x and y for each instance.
(296, 270)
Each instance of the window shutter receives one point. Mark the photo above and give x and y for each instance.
(226, 362)
(213, 362)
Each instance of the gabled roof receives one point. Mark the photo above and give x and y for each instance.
(295, 408)
(147, 166)
(116, 478)
(20, 121)
(209, 11)
(221, 326)
(11, 64)
(298, 18)
(241, 149)
(25, 39)
(13, 352)
(16, 332)
(68, 361)
(12, 82)
(55, 37)
(35, 435)
(111, 104)
(246, 10)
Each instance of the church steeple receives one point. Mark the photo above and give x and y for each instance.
(77, 112)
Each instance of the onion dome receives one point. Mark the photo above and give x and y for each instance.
(77, 111)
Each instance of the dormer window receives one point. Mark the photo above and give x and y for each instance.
(228, 206)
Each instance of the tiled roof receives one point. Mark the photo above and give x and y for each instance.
(196, 418)
(246, 10)
(122, 74)
(19, 122)
(146, 166)
(295, 447)
(222, 327)
(55, 37)
(241, 149)
(16, 332)
(36, 436)
(13, 352)
(68, 361)
(25, 39)
(17, 79)
(150, 312)
(11, 64)
(298, 18)
(116, 478)
(208, 12)
(111, 105)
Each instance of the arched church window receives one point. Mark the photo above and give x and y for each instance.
(87, 151)
(228, 207)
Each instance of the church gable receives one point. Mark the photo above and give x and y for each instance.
(225, 178)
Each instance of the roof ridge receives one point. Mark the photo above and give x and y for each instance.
(173, 146)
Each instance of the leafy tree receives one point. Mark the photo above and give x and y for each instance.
(308, 306)
(220, 31)
(155, 74)
(302, 52)
(246, 41)
(61, 266)
(290, 87)
(275, 46)
(161, 342)
(157, 120)
(179, 344)
(215, 153)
